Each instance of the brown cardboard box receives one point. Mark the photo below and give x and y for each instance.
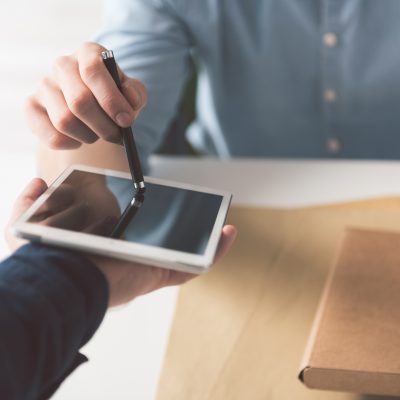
(355, 341)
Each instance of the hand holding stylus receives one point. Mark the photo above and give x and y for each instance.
(126, 133)
(80, 102)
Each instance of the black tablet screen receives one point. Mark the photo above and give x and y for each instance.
(168, 217)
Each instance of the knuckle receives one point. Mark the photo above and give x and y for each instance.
(64, 121)
(81, 103)
(88, 45)
(110, 104)
(91, 70)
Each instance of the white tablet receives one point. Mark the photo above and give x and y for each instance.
(173, 225)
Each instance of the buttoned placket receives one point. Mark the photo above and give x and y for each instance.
(330, 82)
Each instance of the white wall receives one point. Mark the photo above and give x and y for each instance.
(32, 34)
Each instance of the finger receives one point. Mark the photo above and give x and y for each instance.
(65, 122)
(59, 200)
(177, 278)
(228, 236)
(130, 90)
(34, 189)
(40, 124)
(97, 78)
(81, 101)
(171, 277)
(134, 91)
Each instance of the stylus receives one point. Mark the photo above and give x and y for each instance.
(127, 134)
(127, 216)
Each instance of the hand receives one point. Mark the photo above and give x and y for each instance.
(126, 280)
(35, 188)
(80, 103)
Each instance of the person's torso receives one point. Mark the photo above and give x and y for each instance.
(297, 78)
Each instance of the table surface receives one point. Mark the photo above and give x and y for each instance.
(127, 351)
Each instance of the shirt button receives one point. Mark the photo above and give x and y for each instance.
(329, 95)
(333, 145)
(330, 39)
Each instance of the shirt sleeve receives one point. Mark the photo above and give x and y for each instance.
(151, 43)
(51, 303)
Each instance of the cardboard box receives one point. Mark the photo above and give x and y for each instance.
(354, 345)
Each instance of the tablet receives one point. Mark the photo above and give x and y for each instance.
(173, 225)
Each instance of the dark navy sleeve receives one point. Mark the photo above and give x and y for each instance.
(51, 303)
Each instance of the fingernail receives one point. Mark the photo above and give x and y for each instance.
(123, 119)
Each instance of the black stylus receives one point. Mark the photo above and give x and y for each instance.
(127, 134)
(127, 216)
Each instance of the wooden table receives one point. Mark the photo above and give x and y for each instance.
(133, 340)
(126, 353)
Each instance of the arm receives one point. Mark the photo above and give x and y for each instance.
(51, 303)
(79, 103)
(53, 300)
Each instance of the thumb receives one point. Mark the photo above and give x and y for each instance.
(34, 189)
(229, 233)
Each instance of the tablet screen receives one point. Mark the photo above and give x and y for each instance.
(166, 217)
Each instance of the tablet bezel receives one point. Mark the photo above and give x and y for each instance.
(121, 249)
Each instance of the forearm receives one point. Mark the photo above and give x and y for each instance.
(51, 303)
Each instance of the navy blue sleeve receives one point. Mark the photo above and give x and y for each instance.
(51, 303)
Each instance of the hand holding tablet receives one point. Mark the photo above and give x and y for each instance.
(176, 226)
(127, 279)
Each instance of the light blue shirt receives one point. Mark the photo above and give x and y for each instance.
(277, 78)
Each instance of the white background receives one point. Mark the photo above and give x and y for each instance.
(32, 34)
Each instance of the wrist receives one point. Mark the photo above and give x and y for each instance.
(123, 278)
